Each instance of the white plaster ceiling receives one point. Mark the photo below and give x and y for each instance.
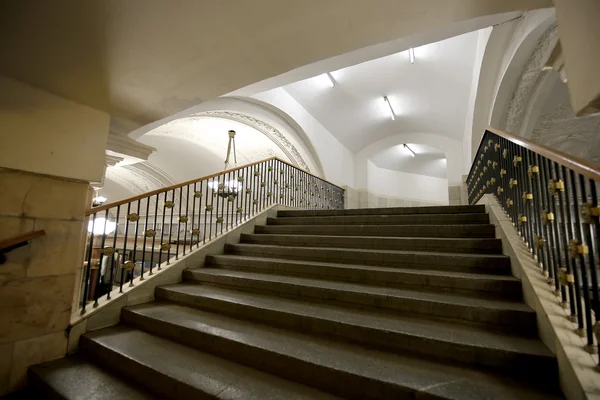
(430, 96)
(429, 161)
(145, 60)
(188, 148)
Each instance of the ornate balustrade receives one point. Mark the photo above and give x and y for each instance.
(137, 236)
(552, 199)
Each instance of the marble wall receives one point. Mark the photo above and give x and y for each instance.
(37, 280)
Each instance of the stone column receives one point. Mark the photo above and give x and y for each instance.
(579, 33)
(51, 150)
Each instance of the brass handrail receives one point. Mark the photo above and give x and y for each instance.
(584, 167)
(178, 185)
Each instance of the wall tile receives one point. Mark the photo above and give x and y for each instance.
(36, 196)
(34, 351)
(60, 251)
(35, 306)
(6, 355)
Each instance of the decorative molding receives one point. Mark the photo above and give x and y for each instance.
(124, 145)
(530, 79)
(111, 160)
(271, 132)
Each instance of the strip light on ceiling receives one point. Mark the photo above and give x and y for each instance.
(411, 55)
(332, 82)
(408, 150)
(392, 114)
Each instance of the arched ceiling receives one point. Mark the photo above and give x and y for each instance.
(143, 60)
(428, 160)
(429, 95)
(189, 148)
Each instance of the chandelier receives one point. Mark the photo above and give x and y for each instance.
(231, 187)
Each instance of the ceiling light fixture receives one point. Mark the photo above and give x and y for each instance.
(411, 55)
(392, 114)
(408, 150)
(330, 79)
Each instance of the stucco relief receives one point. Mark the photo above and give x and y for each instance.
(529, 80)
(272, 133)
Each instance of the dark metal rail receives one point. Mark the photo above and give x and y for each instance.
(133, 238)
(552, 200)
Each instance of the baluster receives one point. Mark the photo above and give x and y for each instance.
(102, 255)
(566, 272)
(578, 250)
(171, 228)
(195, 225)
(147, 233)
(586, 235)
(154, 236)
(88, 264)
(114, 248)
(554, 246)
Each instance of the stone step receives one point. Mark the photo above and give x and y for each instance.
(479, 263)
(503, 314)
(434, 339)
(174, 371)
(414, 219)
(452, 245)
(447, 281)
(385, 211)
(76, 378)
(344, 369)
(439, 231)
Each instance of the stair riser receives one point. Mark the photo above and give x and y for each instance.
(402, 279)
(384, 220)
(329, 379)
(471, 246)
(144, 375)
(480, 264)
(385, 211)
(511, 319)
(438, 231)
(369, 336)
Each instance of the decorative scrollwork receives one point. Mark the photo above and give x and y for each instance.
(533, 170)
(198, 194)
(219, 220)
(540, 242)
(129, 265)
(195, 232)
(589, 212)
(169, 204)
(108, 251)
(576, 248)
(239, 210)
(133, 217)
(183, 218)
(547, 217)
(150, 233)
(165, 246)
(209, 207)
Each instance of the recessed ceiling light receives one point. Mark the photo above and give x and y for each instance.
(392, 114)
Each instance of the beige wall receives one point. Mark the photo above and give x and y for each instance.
(37, 281)
(43, 133)
(61, 146)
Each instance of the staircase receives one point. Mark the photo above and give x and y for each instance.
(394, 303)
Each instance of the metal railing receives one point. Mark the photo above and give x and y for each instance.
(552, 199)
(133, 238)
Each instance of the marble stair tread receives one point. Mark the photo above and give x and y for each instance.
(413, 219)
(388, 276)
(441, 231)
(403, 258)
(443, 331)
(75, 378)
(472, 245)
(386, 211)
(179, 372)
(345, 369)
(462, 300)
